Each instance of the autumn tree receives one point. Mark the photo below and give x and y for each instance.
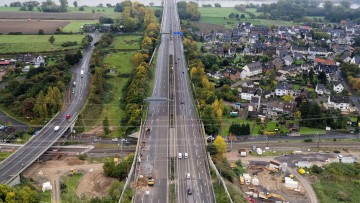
(220, 144)
(40, 108)
(137, 59)
(287, 98)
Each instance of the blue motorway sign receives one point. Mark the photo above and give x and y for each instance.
(178, 33)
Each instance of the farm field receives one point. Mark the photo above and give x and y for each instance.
(35, 43)
(32, 26)
(217, 15)
(74, 26)
(48, 16)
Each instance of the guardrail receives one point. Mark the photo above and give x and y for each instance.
(32, 137)
(219, 177)
(44, 150)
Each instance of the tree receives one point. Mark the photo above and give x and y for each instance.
(287, 98)
(217, 5)
(63, 5)
(75, 4)
(297, 116)
(108, 5)
(346, 4)
(322, 77)
(137, 59)
(220, 144)
(41, 32)
(106, 126)
(328, 5)
(51, 39)
(235, 129)
(211, 148)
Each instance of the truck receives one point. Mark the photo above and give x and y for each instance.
(82, 73)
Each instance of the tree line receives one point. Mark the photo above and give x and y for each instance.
(18, 194)
(188, 10)
(138, 87)
(46, 6)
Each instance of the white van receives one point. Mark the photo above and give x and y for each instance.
(188, 176)
(179, 155)
(186, 155)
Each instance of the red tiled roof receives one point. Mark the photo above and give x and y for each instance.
(4, 62)
(325, 61)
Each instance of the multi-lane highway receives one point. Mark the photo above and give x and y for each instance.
(35, 147)
(174, 126)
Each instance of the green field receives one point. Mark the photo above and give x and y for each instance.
(121, 66)
(338, 183)
(71, 182)
(35, 43)
(74, 26)
(217, 15)
(306, 130)
(127, 42)
(98, 10)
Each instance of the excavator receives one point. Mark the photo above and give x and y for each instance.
(267, 196)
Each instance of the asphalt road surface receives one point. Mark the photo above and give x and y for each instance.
(35, 147)
(192, 172)
(155, 154)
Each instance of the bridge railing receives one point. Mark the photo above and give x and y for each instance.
(32, 137)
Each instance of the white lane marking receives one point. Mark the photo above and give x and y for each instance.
(199, 175)
(201, 189)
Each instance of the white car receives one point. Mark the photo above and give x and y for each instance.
(188, 176)
(179, 155)
(56, 128)
(186, 155)
(114, 139)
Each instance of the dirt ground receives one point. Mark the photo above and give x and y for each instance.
(93, 183)
(48, 16)
(31, 26)
(2, 73)
(206, 27)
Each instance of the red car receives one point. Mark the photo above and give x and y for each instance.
(67, 116)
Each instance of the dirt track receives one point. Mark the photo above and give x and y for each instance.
(31, 26)
(48, 16)
(93, 183)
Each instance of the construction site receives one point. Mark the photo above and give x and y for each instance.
(271, 182)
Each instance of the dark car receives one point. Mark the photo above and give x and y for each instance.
(189, 191)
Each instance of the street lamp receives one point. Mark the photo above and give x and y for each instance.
(318, 139)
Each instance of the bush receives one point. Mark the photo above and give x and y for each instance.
(308, 140)
(317, 169)
(69, 44)
(211, 149)
(41, 32)
(82, 157)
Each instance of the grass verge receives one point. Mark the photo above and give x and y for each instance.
(4, 155)
(338, 183)
(45, 197)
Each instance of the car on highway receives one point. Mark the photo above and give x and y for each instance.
(188, 176)
(179, 155)
(189, 191)
(73, 91)
(56, 128)
(67, 116)
(151, 181)
(114, 139)
(182, 102)
(186, 155)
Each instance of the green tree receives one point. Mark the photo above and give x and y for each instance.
(346, 4)
(287, 98)
(51, 39)
(63, 5)
(211, 148)
(57, 99)
(75, 4)
(40, 108)
(220, 144)
(235, 129)
(106, 126)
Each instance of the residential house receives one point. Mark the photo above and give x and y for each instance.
(320, 89)
(288, 60)
(214, 74)
(26, 58)
(318, 51)
(248, 83)
(39, 61)
(251, 69)
(218, 51)
(339, 102)
(254, 103)
(332, 77)
(232, 74)
(262, 30)
(248, 92)
(327, 68)
(289, 108)
(285, 89)
(356, 60)
(297, 49)
(319, 61)
(338, 87)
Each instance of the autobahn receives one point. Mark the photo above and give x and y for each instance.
(155, 153)
(188, 135)
(35, 147)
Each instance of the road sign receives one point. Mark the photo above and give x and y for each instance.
(178, 33)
